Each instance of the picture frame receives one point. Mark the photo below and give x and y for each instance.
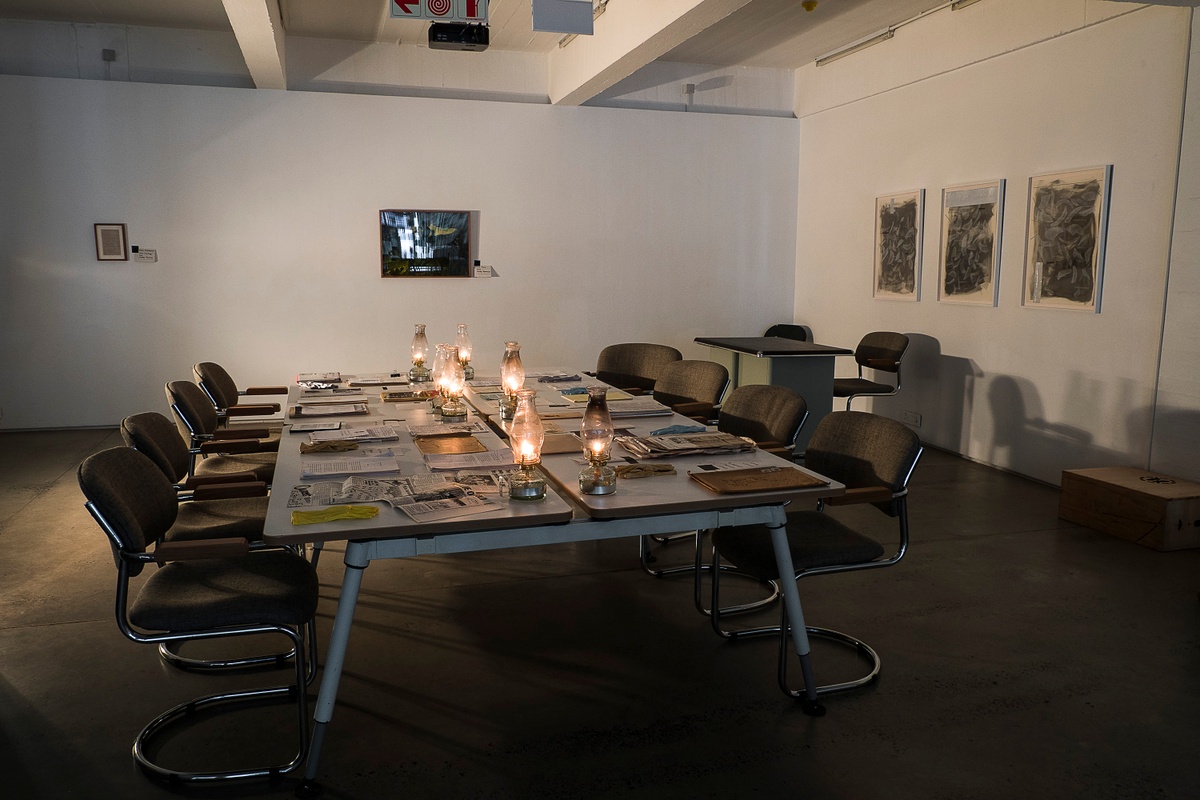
(1066, 235)
(426, 243)
(898, 231)
(972, 229)
(111, 242)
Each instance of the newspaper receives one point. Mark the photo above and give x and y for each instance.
(456, 502)
(446, 428)
(684, 444)
(330, 409)
(408, 489)
(313, 468)
(380, 433)
(492, 459)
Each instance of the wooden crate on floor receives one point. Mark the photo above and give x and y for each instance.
(1149, 508)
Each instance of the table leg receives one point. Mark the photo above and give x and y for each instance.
(335, 656)
(791, 600)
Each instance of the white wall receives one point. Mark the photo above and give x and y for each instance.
(605, 225)
(1039, 87)
(1177, 411)
(716, 90)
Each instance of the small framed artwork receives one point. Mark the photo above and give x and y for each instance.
(415, 244)
(969, 266)
(111, 243)
(898, 245)
(1065, 239)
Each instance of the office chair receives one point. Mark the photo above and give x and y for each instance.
(211, 506)
(881, 351)
(787, 330)
(770, 415)
(634, 366)
(226, 397)
(692, 388)
(201, 590)
(240, 450)
(874, 457)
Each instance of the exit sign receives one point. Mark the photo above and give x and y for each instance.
(441, 10)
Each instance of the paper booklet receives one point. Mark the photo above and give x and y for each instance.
(684, 444)
(757, 479)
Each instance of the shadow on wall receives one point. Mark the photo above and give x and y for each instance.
(1176, 442)
(1024, 441)
(938, 387)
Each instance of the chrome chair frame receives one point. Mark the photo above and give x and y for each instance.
(302, 641)
(891, 500)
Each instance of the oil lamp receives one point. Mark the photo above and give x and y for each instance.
(464, 351)
(452, 384)
(526, 435)
(597, 432)
(420, 351)
(512, 378)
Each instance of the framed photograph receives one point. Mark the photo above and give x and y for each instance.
(969, 266)
(1064, 248)
(422, 244)
(898, 245)
(111, 244)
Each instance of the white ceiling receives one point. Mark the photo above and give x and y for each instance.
(762, 33)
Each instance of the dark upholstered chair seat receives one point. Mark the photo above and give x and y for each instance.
(815, 539)
(261, 465)
(206, 519)
(266, 587)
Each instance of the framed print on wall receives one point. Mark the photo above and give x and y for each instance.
(1065, 238)
(111, 242)
(426, 243)
(969, 266)
(897, 273)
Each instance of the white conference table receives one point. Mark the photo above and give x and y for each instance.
(647, 506)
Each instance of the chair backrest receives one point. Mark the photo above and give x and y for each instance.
(881, 350)
(787, 330)
(130, 497)
(861, 450)
(764, 413)
(634, 364)
(195, 415)
(157, 437)
(216, 383)
(691, 381)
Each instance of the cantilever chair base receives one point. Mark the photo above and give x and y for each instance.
(228, 701)
(697, 568)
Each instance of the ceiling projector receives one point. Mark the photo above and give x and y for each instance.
(458, 36)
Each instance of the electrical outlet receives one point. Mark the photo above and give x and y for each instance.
(911, 418)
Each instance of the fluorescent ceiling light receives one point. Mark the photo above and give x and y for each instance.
(854, 47)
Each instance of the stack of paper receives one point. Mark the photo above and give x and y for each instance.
(684, 444)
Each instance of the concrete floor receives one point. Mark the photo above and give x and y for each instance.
(1023, 657)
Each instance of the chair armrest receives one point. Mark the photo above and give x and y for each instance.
(226, 491)
(694, 409)
(633, 390)
(241, 433)
(881, 363)
(252, 409)
(200, 548)
(776, 449)
(231, 446)
(195, 481)
(265, 390)
(861, 494)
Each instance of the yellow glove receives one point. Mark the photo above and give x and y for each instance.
(333, 513)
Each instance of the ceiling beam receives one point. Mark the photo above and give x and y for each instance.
(259, 31)
(629, 35)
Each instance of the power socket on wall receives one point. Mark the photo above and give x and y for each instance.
(910, 418)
